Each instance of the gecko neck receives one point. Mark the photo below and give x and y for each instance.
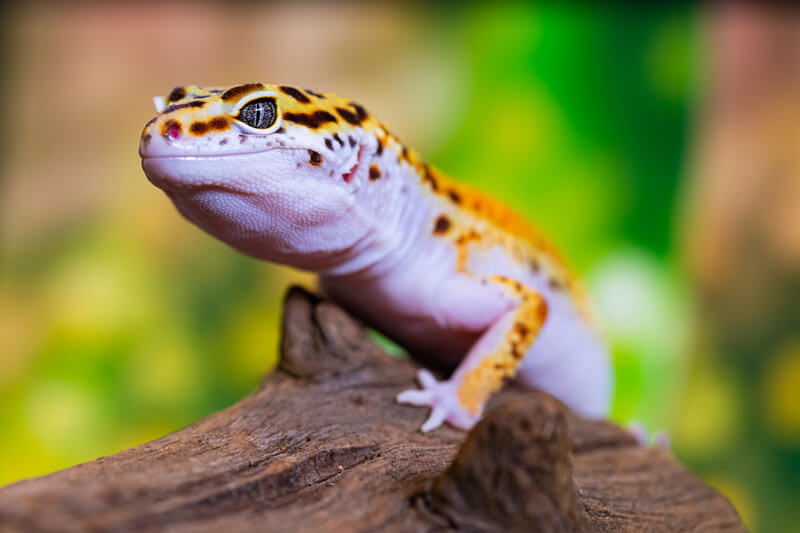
(394, 210)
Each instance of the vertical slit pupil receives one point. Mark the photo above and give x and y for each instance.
(259, 113)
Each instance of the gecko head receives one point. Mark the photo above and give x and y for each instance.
(272, 170)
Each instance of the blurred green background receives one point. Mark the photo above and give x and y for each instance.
(120, 322)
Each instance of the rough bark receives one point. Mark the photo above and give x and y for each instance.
(323, 446)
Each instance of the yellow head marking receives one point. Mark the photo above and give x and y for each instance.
(259, 108)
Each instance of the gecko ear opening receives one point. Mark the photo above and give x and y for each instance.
(160, 103)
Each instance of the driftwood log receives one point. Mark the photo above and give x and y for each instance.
(322, 446)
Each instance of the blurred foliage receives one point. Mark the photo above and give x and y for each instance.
(120, 323)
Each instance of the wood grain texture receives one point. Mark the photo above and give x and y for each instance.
(323, 446)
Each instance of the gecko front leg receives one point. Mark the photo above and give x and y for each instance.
(493, 358)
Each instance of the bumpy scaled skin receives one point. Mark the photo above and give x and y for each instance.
(314, 181)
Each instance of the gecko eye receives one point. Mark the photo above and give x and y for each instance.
(257, 113)
(260, 113)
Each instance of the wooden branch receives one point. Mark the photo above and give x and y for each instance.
(323, 446)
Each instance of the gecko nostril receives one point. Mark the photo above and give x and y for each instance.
(172, 129)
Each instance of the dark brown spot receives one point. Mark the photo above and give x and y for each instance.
(349, 139)
(441, 225)
(404, 153)
(454, 196)
(374, 172)
(379, 149)
(199, 128)
(313, 120)
(281, 130)
(175, 107)
(223, 142)
(176, 94)
(555, 284)
(199, 96)
(329, 143)
(297, 94)
(146, 138)
(534, 265)
(169, 125)
(522, 329)
(314, 93)
(235, 92)
(338, 139)
(361, 113)
(242, 138)
(314, 158)
(430, 178)
(218, 123)
(348, 116)
(515, 353)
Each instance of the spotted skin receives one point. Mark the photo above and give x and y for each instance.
(527, 319)
(454, 275)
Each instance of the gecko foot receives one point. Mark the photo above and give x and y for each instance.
(659, 439)
(441, 397)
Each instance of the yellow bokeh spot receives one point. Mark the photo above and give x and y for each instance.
(526, 121)
(163, 371)
(95, 293)
(24, 457)
(738, 496)
(709, 420)
(63, 417)
(780, 388)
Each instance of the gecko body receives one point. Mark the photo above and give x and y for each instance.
(313, 180)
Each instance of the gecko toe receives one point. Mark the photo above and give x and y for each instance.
(437, 416)
(415, 397)
(426, 379)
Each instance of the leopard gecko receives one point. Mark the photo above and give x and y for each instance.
(315, 181)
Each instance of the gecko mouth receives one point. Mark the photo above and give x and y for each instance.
(220, 155)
